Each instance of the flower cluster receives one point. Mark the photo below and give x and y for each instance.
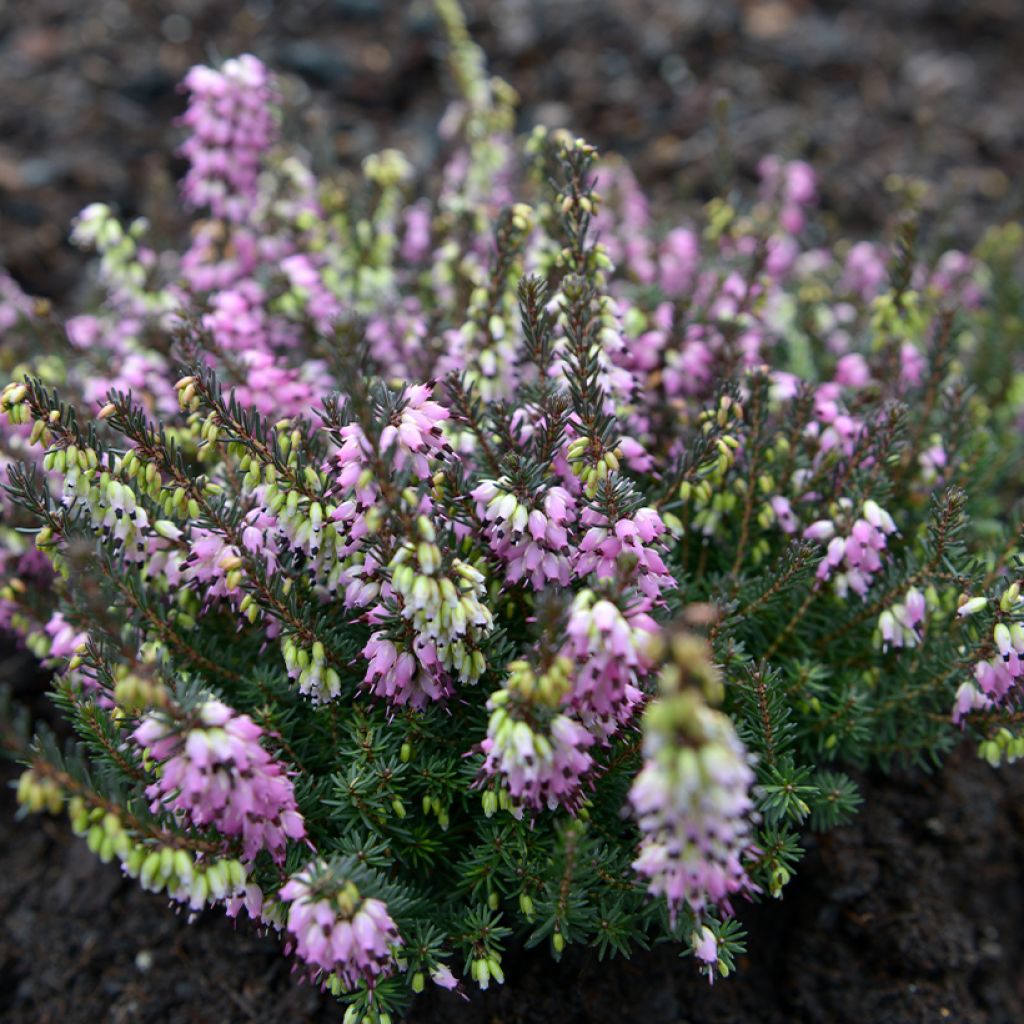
(217, 773)
(635, 538)
(611, 650)
(539, 751)
(529, 535)
(995, 676)
(231, 122)
(337, 931)
(692, 798)
(851, 560)
(441, 624)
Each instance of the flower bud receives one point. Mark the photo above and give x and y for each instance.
(971, 606)
(1001, 638)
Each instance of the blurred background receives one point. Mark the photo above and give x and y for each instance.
(687, 90)
(890, 919)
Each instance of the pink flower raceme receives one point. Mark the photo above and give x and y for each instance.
(306, 280)
(215, 772)
(912, 365)
(397, 339)
(398, 676)
(621, 220)
(693, 804)
(865, 272)
(833, 426)
(956, 278)
(128, 365)
(637, 536)
(530, 536)
(276, 389)
(411, 438)
(254, 344)
(853, 559)
(444, 619)
(413, 434)
(611, 650)
(239, 322)
(218, 259)
(689, 370)
(416, 239)
(232, 123)
(538, 749)
(995, 678)
(340, 932)
(354, 488)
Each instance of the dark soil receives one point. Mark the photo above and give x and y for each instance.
(915, 913)
(687, 89)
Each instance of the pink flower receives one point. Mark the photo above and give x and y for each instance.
(397, 339)
(402, 677)
(413, 434)
(801, 183)
(232, 123)
(64, 638)
(319, 302)
(344, 934)
(215, 772)
(899, 625)
(639, 537)
(791, 184)
(611, 651)
(679, 257)
(441, 975)
(531, 536)
(784, 516)
(969, 698)
(865, 270)
(912, 365)
(852, 371)
(857, 556)
(694, 809)
(543, 765)
(416, 241)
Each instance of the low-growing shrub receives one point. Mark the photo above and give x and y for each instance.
(430, 563)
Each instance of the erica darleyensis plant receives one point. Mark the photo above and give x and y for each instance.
(426, 571)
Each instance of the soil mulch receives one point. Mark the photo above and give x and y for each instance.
(691, 91)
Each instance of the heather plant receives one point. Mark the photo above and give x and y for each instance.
(435, 563)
